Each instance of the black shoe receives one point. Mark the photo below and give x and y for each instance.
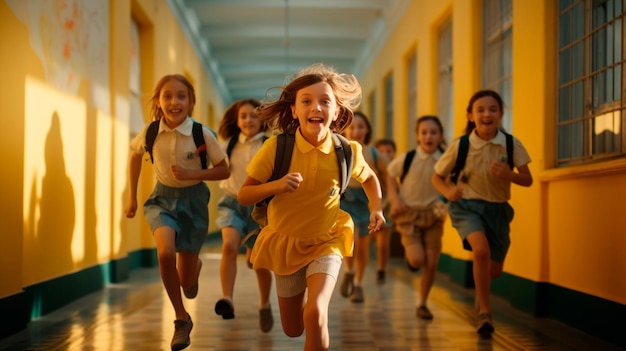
(484, 326)
(411, 268)
(380, 277)
(225, 308)
(181, 338)
(347, 284)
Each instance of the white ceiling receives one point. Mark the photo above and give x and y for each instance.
(249, 46)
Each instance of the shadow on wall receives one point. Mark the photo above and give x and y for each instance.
(52, 218)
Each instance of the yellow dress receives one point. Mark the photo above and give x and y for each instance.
(308, 223)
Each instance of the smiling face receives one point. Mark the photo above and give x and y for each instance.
(358, 129)
(247, 121)
(315, 108)
(429, 135)
(486, 113)
(174, 102)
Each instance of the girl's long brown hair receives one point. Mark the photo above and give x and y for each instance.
(346, 88)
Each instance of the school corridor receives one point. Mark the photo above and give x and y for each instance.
(136, 315)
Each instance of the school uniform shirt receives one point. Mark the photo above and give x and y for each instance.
(240, 157)
(417, 188)
(481, 184)
(308, 223)
(176, 146)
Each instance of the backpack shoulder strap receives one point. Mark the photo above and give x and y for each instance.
(407, 163)
(151, 134)
(460, 158)
(231, 144)
(284, 151)
(344, 159)
(198, 138)
(509, 149)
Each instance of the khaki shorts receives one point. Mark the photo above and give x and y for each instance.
(293, 284)
(420, 226)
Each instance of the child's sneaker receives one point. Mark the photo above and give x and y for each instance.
(485, 325)
(347, 284)
(424, 313)
(380, 277)
(266, 319)
(181, 338)
(225, 308)
(357, 294)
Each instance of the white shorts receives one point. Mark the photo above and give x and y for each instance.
(294, 284)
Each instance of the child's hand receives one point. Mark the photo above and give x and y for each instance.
(454, 194)
(377, 220)
(179, 172)
(131, 209)
(397, 206)
(290, 182)
(500, 169)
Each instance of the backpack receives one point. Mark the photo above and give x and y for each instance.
(233, 141)
(284, 151)
(407, 162)
(464, 148)
(196, 131)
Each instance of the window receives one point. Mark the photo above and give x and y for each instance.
(497, 53)
(389, 106)
(444, 80)
(591, 99)
(411, 99)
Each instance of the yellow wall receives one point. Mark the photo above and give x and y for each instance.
(64, 179)
(568, 228)
(64, 195)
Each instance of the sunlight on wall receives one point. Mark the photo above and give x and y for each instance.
(103, 185)
(120, 177)
(172, 53)
(54, 173)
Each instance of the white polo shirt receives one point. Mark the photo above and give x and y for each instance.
(481, 184)
(176, 146)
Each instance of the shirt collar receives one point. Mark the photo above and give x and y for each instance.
(244, 139)
(424, 155)
(477, 142)
(304, 146)
(183, 128)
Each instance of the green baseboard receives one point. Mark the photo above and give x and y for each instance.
(143, 258)
(52, 294)
(460, 271)
(593, 315)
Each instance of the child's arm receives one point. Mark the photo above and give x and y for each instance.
(521, 177)
(449, 191)
(217, 172)
(395, 199)
(372, 189)
(253, 191)
(134, 171)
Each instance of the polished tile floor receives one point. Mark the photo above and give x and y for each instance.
(136, 315)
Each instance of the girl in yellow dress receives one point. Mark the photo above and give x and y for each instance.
(307, 234)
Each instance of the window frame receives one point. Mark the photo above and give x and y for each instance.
(582, 67)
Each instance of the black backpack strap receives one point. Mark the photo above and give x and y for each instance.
(509, 149)
(407, 163)
(151, 134)
(344, 159)
(460, 158)
(198, 138)
(284, 150)
(282, 160)
(231, 144)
